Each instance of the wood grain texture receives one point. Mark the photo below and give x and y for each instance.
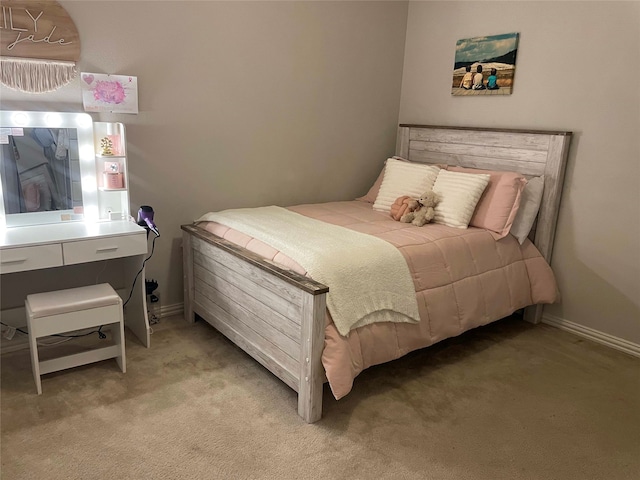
(311, 371)
(25, 33)
(278, 329)
(280, 365)
(187, 275)
(278, 316)
(483, 129)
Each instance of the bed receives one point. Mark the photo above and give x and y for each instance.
(268, 305)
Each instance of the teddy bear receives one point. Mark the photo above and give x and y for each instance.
(425, 211)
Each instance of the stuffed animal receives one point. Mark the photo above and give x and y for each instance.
(425, 212)
(402, 206)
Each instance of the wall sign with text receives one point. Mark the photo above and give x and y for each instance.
(38, 29)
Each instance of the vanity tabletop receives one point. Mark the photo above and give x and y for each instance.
(13, 237)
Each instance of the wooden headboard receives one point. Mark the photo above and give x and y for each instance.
(530, 152)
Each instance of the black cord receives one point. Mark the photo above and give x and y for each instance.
(99, 332)
(17, 329)
(153, 246)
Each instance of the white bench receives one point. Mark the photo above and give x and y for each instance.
(73, 309)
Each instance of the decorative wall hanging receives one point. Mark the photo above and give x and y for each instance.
(485, 65)
(39, 45)
(109, 93)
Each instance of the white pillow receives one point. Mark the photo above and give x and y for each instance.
(529, 206)
(459, 194)
(404, 178)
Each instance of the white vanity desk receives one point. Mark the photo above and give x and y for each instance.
(64, 212)
(37, 247)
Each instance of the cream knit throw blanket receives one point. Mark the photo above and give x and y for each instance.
(368, 278)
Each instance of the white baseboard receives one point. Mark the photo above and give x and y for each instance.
(21, 341)
(591, 334)
(170, 310)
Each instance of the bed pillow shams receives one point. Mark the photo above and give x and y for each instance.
(500, 201)
(372, 194)
(404, 178)
(459, 194)
(529, 206)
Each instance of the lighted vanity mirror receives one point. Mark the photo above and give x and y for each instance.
(47, 165)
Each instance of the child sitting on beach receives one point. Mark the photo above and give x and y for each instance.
(478, 78)
(492, 81)
(467, 80)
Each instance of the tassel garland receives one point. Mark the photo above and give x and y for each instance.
(36, 76)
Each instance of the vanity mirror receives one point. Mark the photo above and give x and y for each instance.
(47, 166)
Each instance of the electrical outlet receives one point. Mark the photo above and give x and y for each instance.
(9, 332)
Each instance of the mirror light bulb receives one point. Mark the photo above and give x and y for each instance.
(53, 119)
(20, 118)
(84, 120)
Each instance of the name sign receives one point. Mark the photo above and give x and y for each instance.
(37, 29)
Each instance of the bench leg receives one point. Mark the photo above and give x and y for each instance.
(35, 362)
(118, 337)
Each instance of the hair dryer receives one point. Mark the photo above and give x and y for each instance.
(145, 219)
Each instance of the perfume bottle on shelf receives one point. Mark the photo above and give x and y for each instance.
(112, 176)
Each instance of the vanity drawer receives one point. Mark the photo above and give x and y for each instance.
(30, 258)
(104, 248)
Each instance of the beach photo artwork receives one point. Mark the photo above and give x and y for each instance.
(485, 65)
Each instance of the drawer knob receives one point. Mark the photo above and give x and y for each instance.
(106, 249)
(15, 260)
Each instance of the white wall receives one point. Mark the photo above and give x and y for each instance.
(577, 69)
(241, 103)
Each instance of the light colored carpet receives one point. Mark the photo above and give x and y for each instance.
(507, 401)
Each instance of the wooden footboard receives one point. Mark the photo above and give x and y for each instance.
(275, 315)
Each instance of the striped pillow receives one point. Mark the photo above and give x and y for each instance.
(404, 178)
(459, 194)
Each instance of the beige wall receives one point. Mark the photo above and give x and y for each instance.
(577, 69)
(242, 103)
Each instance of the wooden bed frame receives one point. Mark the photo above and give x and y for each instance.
(278, 316)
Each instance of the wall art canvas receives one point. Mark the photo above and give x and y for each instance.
(109, 93)
(485, 65)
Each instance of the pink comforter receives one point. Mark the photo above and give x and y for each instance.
(463, 279)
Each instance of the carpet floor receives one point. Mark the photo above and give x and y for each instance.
(506, 401)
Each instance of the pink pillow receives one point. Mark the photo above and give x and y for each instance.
(372, 194)
(500, 201)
